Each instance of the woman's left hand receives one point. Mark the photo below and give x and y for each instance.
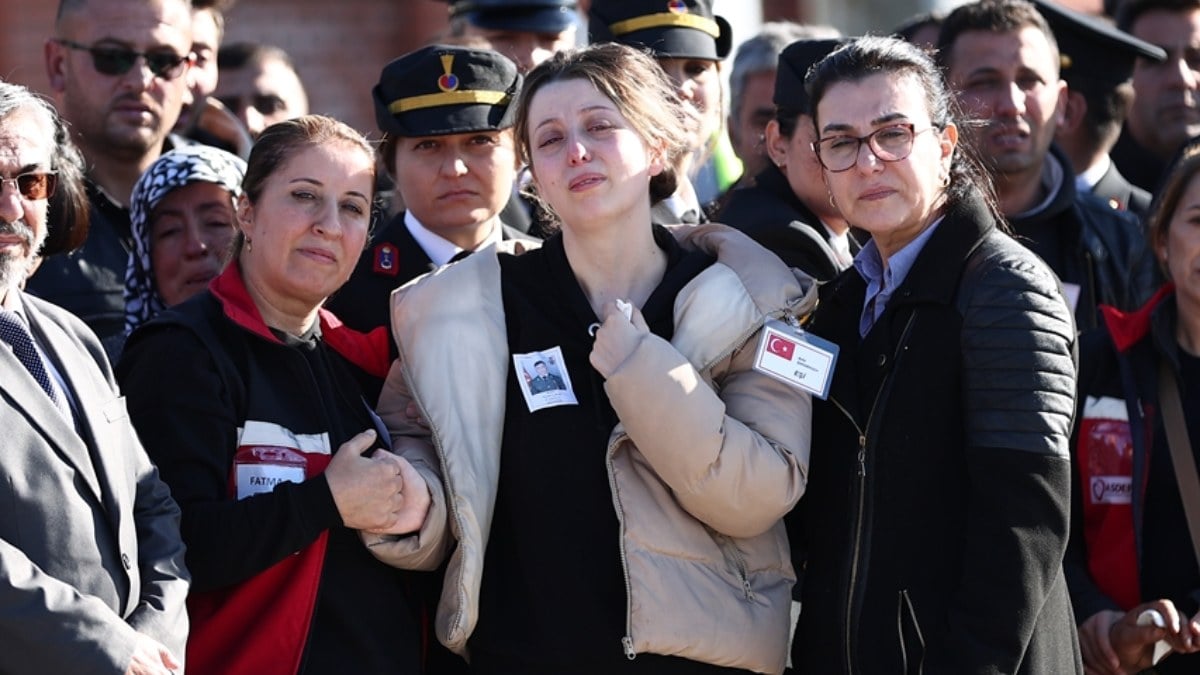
(616, 338)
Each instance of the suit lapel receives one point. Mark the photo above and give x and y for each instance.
(28, 395)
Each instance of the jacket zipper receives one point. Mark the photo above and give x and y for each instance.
(743, 570)
(456, 527)
(627, 640)
(861, 487)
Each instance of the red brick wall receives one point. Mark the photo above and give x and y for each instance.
(339, 46)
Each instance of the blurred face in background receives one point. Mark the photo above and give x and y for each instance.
(1166, 103)
(206, 39)
(191, 230)
(261, 94)
(526, 48)
(1178, 248)
(749, 118)
(698, 83)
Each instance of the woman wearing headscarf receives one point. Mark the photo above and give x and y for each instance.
(182, 220)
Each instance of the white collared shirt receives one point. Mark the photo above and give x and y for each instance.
(1086, 181)
(439, 249)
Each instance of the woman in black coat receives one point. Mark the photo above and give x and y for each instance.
(936, 516)
(1130, 547)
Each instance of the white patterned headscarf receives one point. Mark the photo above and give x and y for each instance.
(179, 167)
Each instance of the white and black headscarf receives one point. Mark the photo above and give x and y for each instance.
(179, 167)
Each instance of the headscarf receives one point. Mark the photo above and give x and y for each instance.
(174, 169)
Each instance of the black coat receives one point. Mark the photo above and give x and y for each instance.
(771, 213)
(936, 515)
(1087, 243)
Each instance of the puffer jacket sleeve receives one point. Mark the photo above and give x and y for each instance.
(735, 453)
(426, 549)
(1018, 342)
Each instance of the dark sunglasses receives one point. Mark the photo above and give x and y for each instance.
(117, 60)
(33, 185)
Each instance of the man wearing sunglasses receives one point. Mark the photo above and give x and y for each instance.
(118, 72)
(92, 574)
(1003, 61)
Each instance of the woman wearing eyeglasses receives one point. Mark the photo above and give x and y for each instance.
(936, 516)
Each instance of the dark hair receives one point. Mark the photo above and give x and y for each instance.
(1132, 10)
(633, 81)
(916, 23)
(1107, 106)
(992, 16)
(867, 56)
(1185, 167)
(539, 363)
(242, 54)
(282, 141)
(67, 212)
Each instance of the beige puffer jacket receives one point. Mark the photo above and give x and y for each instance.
(709, 456)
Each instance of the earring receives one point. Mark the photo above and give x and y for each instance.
(946, 179)
(831, 202)
(249, 245)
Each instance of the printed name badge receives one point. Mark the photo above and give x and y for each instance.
(259, 468)
(253, 479)
(796, 357)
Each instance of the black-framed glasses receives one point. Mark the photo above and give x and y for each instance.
(113, 60)
(890, 144)
(33, 185)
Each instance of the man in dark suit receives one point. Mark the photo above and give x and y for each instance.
(91, 563)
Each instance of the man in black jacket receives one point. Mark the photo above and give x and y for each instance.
(118, 69)
(1002, 59)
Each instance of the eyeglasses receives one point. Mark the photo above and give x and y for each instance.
(889, 144)
(117, 60)
(33, 185)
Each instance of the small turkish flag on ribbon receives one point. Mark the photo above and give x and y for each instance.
(781, 347)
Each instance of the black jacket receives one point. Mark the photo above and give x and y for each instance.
(937, 508)
(277, 578)
(89, 282)
(1140, 166)
(1100, 249)
(771, 213)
